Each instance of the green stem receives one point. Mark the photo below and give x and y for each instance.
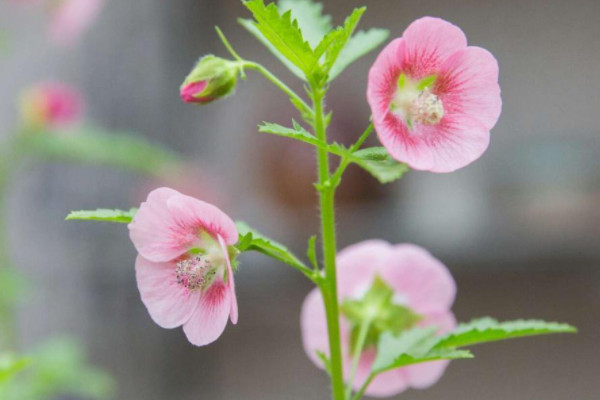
(357, 352)
(329, 285)
(297, 101)
(364, 387)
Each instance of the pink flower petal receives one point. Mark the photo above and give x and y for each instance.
(169, 304)
(424, 280)
(429, 42)
(468, 84)
(454, 143)
(230, 282)
(208, 322)
(191, 215)
(151, 230)
(357, 265)
(383, 78)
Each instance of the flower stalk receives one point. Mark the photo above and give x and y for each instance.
(327, 209)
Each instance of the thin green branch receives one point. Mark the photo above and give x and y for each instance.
(364, 387)
(297, 101)
(357, 352)
(345, 161)
(228, 45)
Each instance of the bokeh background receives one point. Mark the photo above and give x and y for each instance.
(519, 229)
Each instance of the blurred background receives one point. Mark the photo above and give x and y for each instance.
(519, 229)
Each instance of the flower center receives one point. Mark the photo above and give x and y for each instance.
(427, 108)
(195, 273)
(415, 103)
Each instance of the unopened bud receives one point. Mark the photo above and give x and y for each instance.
(212, 78)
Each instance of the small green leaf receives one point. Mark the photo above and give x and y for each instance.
(378, 162)
(311, 20)
(333, 43)
(486, 330)
(311, 252)
(359, 45)
(325, 360)
(250, 26)
(283, 33)
(297, 132)
(102, 214)
(252, 240)
(426, 82)
(412, 347)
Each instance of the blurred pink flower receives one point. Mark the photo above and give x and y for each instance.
(51, 105)
(183, 268)
(69, 19)
(434, 100)
(419, 281)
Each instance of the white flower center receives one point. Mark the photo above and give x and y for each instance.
(415, 103)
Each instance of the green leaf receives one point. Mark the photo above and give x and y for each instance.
(250, 26)
(311, 252)
(333, 43)
(378, 162)
(91, 146)
(103, 214)
(252, 240)
(412, 347)
(311, 20)
(486, 330)
(297, 132)
(359, 45)
(283, 33)
(11, 365)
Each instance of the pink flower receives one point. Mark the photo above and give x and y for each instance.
(420, 283)
(69, 19)
(434, 99)
(52, 105)
(183, 268)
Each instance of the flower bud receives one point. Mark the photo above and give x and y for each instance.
(212, 78)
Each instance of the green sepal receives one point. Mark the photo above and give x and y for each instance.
(378, 308)
(103, 214)
(220, 75)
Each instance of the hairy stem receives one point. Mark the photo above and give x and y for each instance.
(329, 285)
